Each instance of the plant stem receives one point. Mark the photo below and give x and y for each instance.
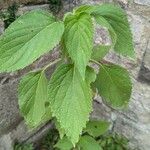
(96, 62)
(51, 64)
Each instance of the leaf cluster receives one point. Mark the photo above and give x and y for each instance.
(67, 96)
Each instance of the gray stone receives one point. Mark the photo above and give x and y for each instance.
(134, 123)
(24, 9)
(9, 114)
(1, 27)
(142, 2)
(145, 68)
(6, 143)
(23, 134)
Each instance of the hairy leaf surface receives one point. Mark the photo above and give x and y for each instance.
(114, 85)
(70, 99)
(88, 143)
(33, 99)
(29, 37)
(78, 38)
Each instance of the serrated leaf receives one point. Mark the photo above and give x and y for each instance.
(99, 52)
(33, 98)
(115, 20)
(114, 85)
(118, 21)
(70, 99)
(96, 128)
(60, 130)
(88, 143)
(78, 38)
(64, 144)
(26, 39)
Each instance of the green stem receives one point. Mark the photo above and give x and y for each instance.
(51, 64)
(96, 62)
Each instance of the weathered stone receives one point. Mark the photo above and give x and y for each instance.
(23, 134)
(24, 9)
(142, 2)
(1, 27)
(134, 123)
(145, 68)
(9, 114)
(6, 143)
(6, 3)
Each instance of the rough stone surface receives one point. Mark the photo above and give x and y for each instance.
(23, 134)
(1, 27)
(142, 2)
(6, 143)
(145, 67)
(9, 114)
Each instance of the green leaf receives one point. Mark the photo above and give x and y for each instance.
(78, 39)
(114, 85)
(100, 51)
(26, 39)
(118, 21)
(90, 75)
(60, 130)
(96, 128)
(71, 100)
(115, 20)
(84, 8)
(88, 143)
(33, 99)
(64, 144)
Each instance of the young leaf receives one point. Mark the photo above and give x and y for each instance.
(78, 38)
(115, 19)
(71, 100)
(88, 143)
(97, 128)
(64, 144)
(84, 8)
(29, 37)
(114, 85)
(33, 98)
(118, 21)
(100, 51)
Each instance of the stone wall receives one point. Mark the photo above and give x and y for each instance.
(134, 122)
